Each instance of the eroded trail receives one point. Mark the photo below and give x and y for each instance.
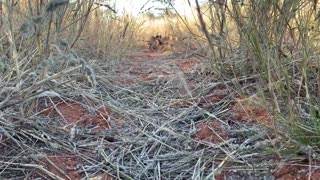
(151, 116)
(145, 66)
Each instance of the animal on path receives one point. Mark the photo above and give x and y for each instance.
(157, 42)
(154, 43)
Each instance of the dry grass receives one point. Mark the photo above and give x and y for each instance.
(57, 51)
(153, 143)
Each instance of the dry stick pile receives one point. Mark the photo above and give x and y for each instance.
(154, 141)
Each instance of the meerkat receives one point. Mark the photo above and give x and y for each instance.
(167, 41)
(154, 43)
(157, 42)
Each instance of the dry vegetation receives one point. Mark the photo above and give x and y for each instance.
(56, 55)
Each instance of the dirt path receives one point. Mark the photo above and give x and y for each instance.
(154, 116)
(145, 66)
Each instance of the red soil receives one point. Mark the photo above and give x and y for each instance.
(74, 113)
(64, 166)
(186, 65)
(211, 132)
(298, 171)
(250, 111)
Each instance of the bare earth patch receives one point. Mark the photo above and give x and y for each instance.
(301, 170)
(74, 114)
